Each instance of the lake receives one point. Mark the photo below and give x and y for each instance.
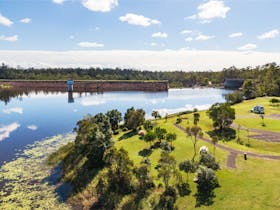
(33, 116)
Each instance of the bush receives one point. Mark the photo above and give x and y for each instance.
(183, 189)
(234, 98)
(168, 199)
(274, 100)
(209, 161)
(178, 121)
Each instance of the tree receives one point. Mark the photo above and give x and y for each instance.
(148, 126)
(156, 114)
(187, 167)
(115, 118)
(194, 132)
(134, 118)
(150, 137)
(214, 140)
(145, 181)
(208, 160)
(170, 137)
(160, 133)
(196, 117)
(117, 180)
(222, 115)
(206, 183)
(249, 89)
(167, 167)
(167, 199)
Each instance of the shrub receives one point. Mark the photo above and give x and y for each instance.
(274, 100)
(178, 121)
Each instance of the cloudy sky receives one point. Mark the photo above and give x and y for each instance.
(147, 34)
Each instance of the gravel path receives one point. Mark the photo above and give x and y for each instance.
(262, 135)
(233, 153)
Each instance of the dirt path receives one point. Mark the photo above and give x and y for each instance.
(262, 135)
(233, 153)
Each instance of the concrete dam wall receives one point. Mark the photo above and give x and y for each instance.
(87, 85)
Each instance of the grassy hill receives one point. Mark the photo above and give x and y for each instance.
(253, 184)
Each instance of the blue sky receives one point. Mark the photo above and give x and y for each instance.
(193, 26)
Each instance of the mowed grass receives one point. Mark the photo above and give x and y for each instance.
(254, 184)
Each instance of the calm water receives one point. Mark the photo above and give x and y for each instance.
(28, 118)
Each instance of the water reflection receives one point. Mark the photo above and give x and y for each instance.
(70, 97)
(26, 117)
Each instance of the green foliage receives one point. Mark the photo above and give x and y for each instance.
(249, 89)
(222, 115)
(274, 100)
(160, 133)
(206, 183)
(115, 118)
(194, 132)
(156, 114)
(118, 180)
(208, 160)
(183, 189)
(148, 125)
(170, 137)
(167, 167)
(235, 97)
(134, 118)
(196, 117)
(167, 199)
(150, 137)
(178, 120)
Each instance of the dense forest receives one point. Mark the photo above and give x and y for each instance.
(269, 72)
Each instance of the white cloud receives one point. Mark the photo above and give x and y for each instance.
(5, 21)
(153, 44)
(6, 130)
(32, 127)
(138, 20)
(58, 1)
(90, 44)
(100, 5)
(269, 35)
(188, 39)
(234, 35)
(9, 38)
(159, 35)
(18, 110)
(202, 37)
(247, 47)
(192, 17)
(186, 32)
(198, 60)
(25, 20)
(210, 10)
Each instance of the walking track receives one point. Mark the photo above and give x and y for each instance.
(233, 153)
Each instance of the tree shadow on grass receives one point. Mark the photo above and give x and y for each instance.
(128, 135)
(226, 134)
(145, 152)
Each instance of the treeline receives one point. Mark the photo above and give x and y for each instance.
(267, 83)
(176, 79)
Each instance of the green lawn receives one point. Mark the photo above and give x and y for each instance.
(252, 185)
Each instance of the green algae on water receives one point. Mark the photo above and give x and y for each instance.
(24, 181)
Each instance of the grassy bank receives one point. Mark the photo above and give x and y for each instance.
(252, 185)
